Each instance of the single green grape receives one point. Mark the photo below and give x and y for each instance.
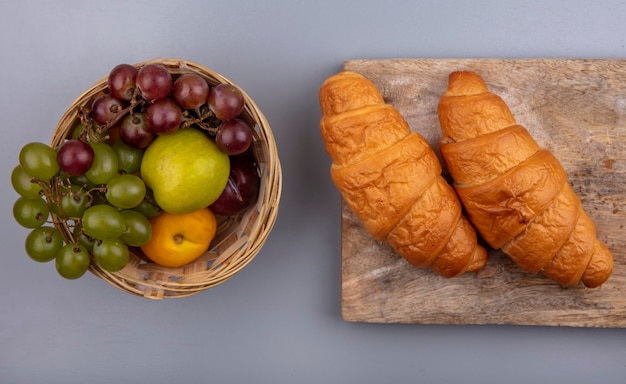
(111, 255)
(129, 158)
(72, 202)
(103, 222)
(125, 191)
(30, 213)
(138, 228)
(81, 130)
(84, 239)
(148, 207)
(72, 261)
(22, 183)
(39, 160)
(42, 244)
(82, 181)
(105, 164)
(78, 131)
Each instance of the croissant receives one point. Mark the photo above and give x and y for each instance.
(391, 179)
(514, 192)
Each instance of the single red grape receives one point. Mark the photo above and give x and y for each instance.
(190, 90)
(242, 188)
(75, 157)
(226, 101)
(154, 81)
(233, 137)
(164, 116)
(135, 132)
(105, 107)
(121, 81)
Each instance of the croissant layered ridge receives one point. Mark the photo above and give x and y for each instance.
(516, 193)
(391, 179)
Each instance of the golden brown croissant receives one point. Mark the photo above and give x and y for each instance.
(391, 179)
(515, 193)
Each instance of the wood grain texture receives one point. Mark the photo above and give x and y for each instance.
(574, 107)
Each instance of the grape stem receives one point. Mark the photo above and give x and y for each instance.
(58, 187)
(202, 117)
(84, 113)
(205, 119)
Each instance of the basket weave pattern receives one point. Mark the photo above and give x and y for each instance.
(238, 239)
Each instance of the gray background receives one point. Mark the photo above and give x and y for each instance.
(277, 321)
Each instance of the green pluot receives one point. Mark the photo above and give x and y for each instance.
(185, 170)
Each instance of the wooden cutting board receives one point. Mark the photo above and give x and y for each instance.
(575, 108)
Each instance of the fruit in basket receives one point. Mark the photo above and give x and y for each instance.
(103, 222)
(30, 213)
(82, 238)
(178, 239)
(164, 116)
(71, 203)
(75, 157)
(128, 158)
(138, 230)
(125, 191)
(81, 132)
(105, 108)
(242, 188)
(154, 81)
(39, 161)
(155, 148)
(185, 170)
(72, 261)
(23, 184)
(105, 164)
(234, 137)
(121, 81)
(148, 207)
(226, 101)
(190, 91)
(135, 132)
(43, 243)
(111, 255)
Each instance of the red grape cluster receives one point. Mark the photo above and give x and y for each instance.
(169, 104)
(90, 182)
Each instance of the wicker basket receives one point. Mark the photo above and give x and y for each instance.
(238, 239)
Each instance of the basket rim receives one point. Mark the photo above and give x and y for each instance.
(132, 279)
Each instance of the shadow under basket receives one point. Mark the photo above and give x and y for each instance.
(238, 239)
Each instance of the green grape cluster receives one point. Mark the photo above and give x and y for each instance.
(94, 191)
